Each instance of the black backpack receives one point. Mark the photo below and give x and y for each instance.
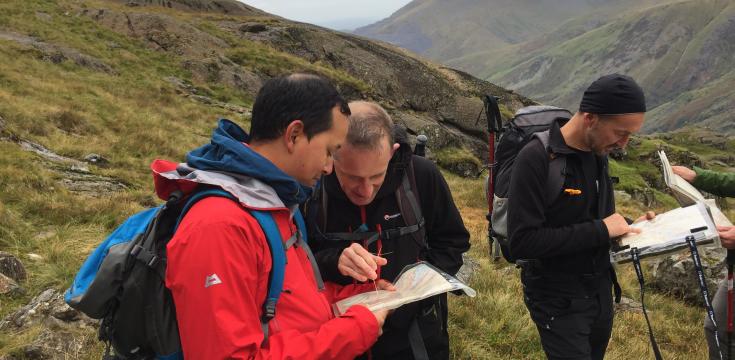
(528, 122)
(122, 281)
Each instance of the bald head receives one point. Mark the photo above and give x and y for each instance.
(369, 125)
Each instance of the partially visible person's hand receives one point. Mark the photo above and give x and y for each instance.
(617, 226)
(727, 236)
(685, 173)
(649, 215)
(380, 315)
(358, 263)
(384, 284)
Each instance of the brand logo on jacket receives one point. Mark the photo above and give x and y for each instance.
(388, 217)
(212, 280)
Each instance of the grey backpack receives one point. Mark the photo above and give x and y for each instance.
(528, 122)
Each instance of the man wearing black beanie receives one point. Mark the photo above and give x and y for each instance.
(564, 241)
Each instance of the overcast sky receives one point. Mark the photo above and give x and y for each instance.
(335, 14)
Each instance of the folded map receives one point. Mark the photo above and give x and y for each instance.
(415, 282)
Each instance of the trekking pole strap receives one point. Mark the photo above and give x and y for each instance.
(691, 241)
(635, 255)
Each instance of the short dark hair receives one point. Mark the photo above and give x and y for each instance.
(306, 97)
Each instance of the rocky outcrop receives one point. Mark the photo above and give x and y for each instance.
(11, 267)
(469, 267)
(228, 7)
(9, 286)
(629, 305)
(675, 274)
(428, 99)
(57, 53)
(60, 331)
(190, 91)
(75, 175)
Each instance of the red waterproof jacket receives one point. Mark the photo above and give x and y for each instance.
(218, 267)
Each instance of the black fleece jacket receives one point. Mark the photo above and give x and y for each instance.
(446, 236)
(568, 236)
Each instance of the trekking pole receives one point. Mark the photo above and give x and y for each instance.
(691, 241)
(730, 263)
(420, 149)
(494, 122)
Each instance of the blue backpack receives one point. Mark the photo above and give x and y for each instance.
(123, 281)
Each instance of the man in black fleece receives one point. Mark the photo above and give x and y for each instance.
(564, 245)
(359, 204)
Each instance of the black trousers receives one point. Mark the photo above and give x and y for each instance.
(572, 327)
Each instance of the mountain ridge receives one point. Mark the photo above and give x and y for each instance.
(677, 50)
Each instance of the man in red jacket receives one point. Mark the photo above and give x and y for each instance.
(219, 260)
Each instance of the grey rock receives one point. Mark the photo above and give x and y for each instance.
(9, 287)
(619, 154)
(57, 344)
(11, 267)
(60, 335)
(75, 174)
(675, 274)
(468, 169)
(97, 159)
(621, 195)
(469, 267)
(629, 305)
(79, 167)
(48, 308)
(253, 28)
(189, 91)
(57, 53)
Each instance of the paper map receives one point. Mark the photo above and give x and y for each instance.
(416, 282)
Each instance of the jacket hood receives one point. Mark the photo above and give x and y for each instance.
(228, 153)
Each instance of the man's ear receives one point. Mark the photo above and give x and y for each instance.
(294, 133)
(589, 119)
(395, 148)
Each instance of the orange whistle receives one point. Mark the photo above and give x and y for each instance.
(573, 191)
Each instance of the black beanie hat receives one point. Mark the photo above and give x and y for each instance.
(613, 94)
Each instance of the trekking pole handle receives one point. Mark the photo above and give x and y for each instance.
(420, 149)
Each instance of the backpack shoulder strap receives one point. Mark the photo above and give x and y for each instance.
(278, 258)
(275, 244)
(410, 207)
(557, 169)
(278, 268)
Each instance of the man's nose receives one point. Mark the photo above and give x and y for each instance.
(623, 141)
(365, 188)
(328, 166)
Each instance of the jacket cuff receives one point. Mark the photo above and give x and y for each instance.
(699, 178)
(366, 323)
(604, 235)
